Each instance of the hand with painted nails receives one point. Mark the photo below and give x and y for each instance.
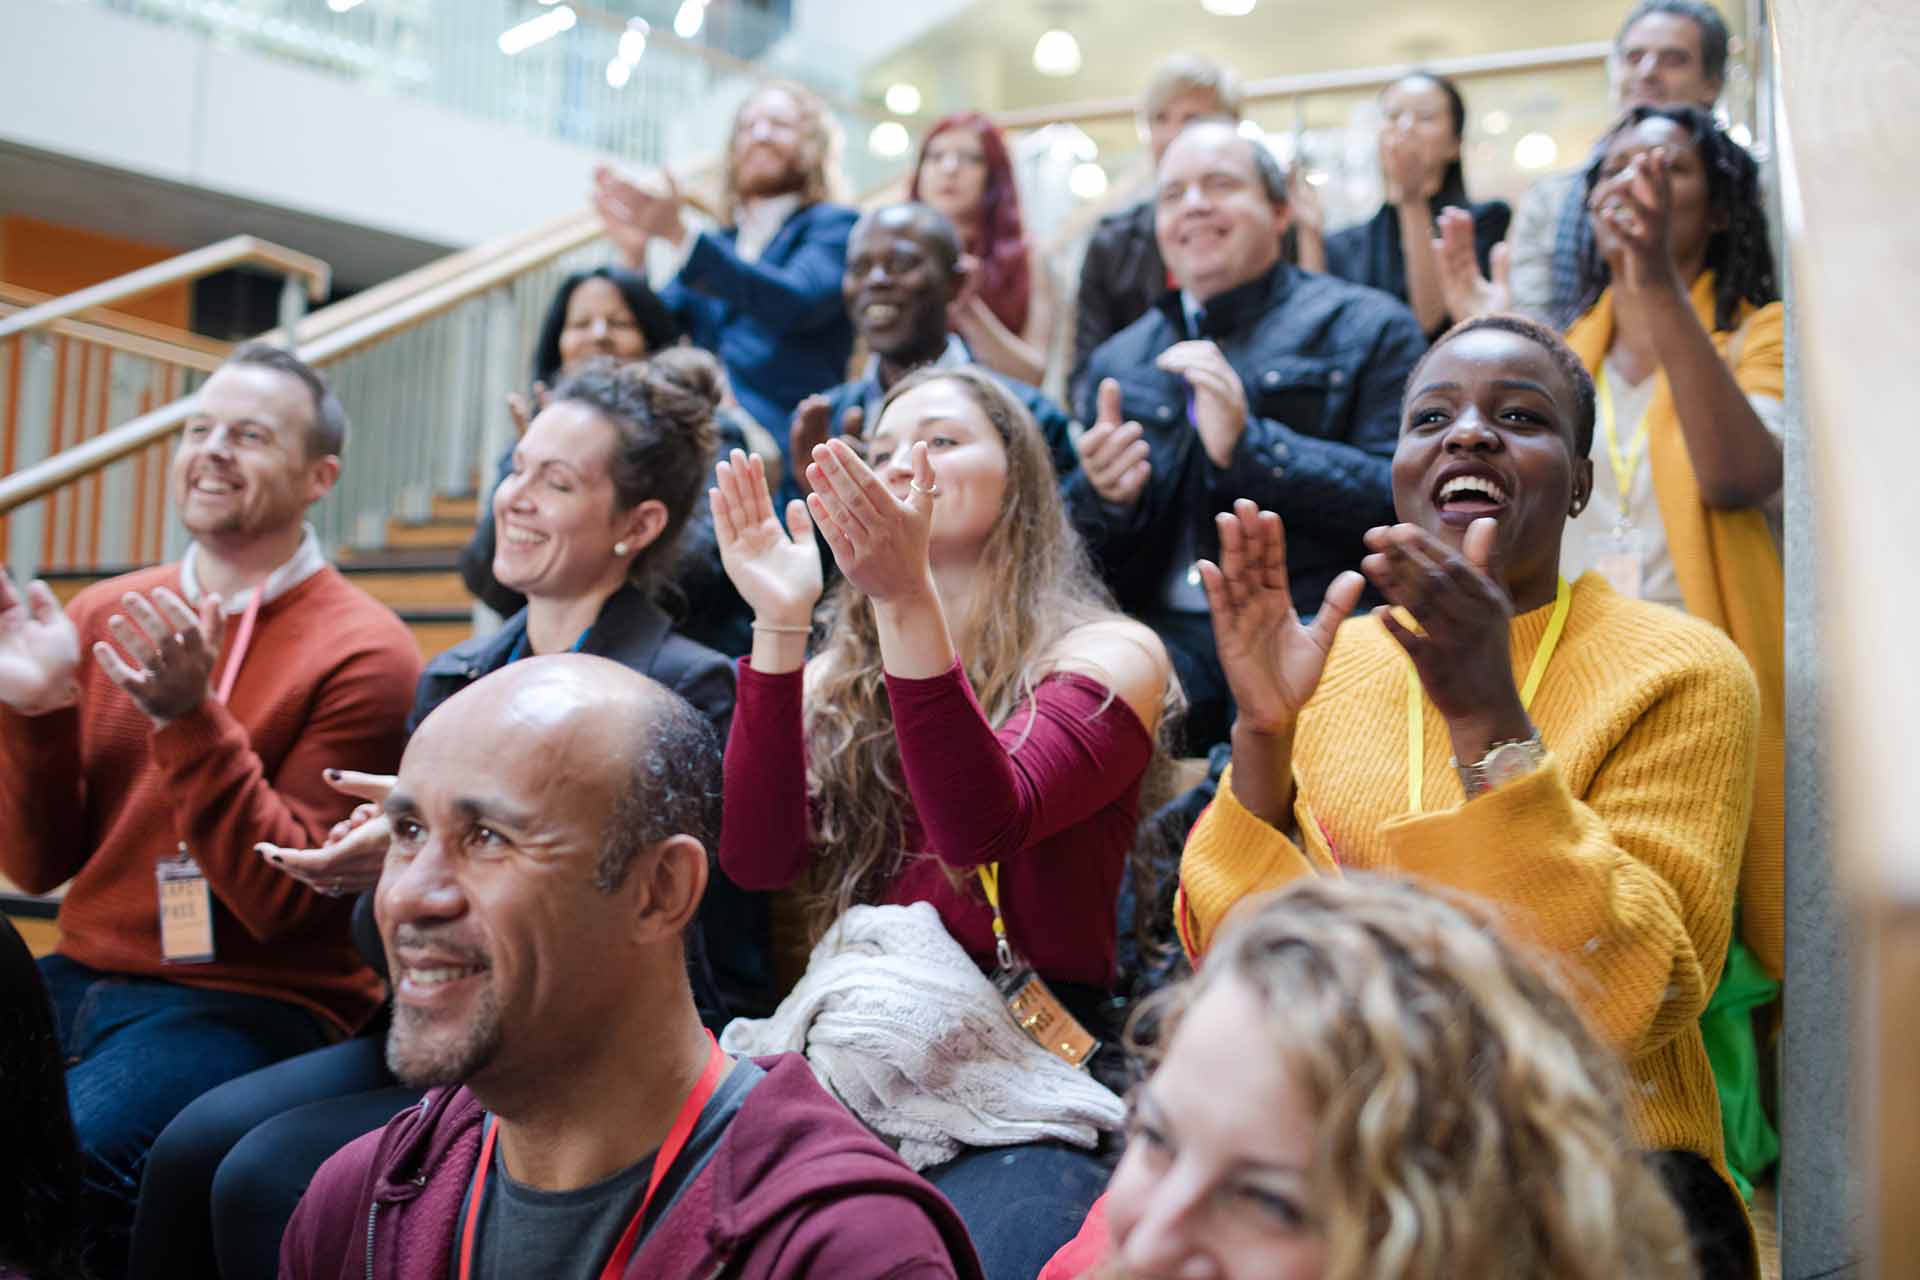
(775, 568)
(351, 858)
(880, 539)
(170, 652)
(39, 650)
(1114, 453)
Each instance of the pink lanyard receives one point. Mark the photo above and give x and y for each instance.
(242, 641)
(669, 1152)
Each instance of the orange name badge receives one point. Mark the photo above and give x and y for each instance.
(1042, 1016)
(186, 911)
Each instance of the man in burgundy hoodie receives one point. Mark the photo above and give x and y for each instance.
(550, 832)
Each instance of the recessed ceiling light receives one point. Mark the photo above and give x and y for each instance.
(1088, 180)
(1228, 8)
(687, 21)
(1536, 151)
(1495, 123)
(889, 138)
(1056, 53)
(903, 99)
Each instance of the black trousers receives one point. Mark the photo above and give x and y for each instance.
(1716, 1220)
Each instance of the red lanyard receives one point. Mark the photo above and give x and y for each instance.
(677, 1136)
(242, 641)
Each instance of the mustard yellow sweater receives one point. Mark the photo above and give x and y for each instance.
(1620, 856)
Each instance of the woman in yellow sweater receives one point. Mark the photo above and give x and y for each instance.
(1605, 746)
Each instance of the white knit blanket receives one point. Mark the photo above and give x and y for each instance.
(902, 1026)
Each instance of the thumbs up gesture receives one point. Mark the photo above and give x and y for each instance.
(1114, 453)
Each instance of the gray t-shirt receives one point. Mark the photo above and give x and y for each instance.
(567, 1234)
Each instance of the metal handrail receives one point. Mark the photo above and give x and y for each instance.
(130, 335)
(182, 269)
(497, 263)
(1278, 87)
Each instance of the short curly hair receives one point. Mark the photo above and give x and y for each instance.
(1579, 381)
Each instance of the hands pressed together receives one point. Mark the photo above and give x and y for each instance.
(1631, 213)
(634, 215)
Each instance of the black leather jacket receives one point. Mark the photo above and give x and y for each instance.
(1324, 364)
(1120, 278)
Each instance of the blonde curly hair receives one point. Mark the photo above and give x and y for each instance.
(1039, 585)
(1467, 1121)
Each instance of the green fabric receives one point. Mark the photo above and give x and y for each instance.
(1727, 1026)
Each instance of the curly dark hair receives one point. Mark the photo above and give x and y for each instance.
(1739, 252)
(657, 325)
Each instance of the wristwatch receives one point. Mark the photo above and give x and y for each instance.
(1503, 763)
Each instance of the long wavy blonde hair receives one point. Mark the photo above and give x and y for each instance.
(1467, 1122)
(1037, 585)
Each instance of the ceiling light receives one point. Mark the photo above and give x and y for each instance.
(1088, 181)
(903, 99)
(1495, 123)
(1535, 151)
(619, 71)
(1055, 53)
(1228, 8)
(687, 22)
(534, 30)
(889, 138)
(341, 6)
(633, 41)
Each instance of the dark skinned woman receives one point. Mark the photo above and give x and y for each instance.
(1604, 745)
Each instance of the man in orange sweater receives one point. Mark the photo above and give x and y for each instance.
(159, 728)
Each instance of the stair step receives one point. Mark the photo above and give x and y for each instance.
(457, 506)
(450, 535)
(407, 588)
(437, 630)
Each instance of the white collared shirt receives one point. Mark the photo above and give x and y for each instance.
(758, 222)
(306, 562)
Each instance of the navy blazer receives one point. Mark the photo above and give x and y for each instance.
(1324, 364)
(779, 324)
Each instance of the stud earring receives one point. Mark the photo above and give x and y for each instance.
(619, 548)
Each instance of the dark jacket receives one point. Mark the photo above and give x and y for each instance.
(1369, 252)
(1120, 278)
(796, 1188)
(1324, 364)
(778, 324)
(1048, 416)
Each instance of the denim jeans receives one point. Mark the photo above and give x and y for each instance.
(1021, 1203)
(140, 1049)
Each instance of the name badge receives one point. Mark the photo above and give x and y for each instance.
(1618, 554)
(186, 910)
(1041, 1015)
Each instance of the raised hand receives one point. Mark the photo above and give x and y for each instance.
(172, 650)
(812, 422)
(1272, 660)
(633, 215)
(1461, 650)
(355, 850)
(1466, 291)
(1219, 397)
(879, 541)
(39, 650)
(1631, 213)
(1404, 170)
(1114, 453)
(525, 408)
(1304, 203)
(775, 568)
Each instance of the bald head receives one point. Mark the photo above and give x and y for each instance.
(903, 269)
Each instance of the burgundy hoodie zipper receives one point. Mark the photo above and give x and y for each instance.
(373, 1213)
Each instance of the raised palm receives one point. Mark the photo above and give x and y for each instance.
(774, 567)
(39, 648)
(1272, 660)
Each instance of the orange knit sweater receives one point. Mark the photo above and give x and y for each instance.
(97, 794)
(1620, 856)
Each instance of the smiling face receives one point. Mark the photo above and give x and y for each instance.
(501, 947)
(599, 323)
(769, 145)
(1657, 63)
(969, 463)
(241, 470)
(896, 286)
(1214, 1181)
(555, 516)
(1216, 224)
(1417, 108)
(1488, 430)
(1690, 220)
(953, 173)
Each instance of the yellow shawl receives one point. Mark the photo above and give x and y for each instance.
(1730, 574)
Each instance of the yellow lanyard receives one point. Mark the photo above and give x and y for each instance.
(1624, 465)
(1417, 700)
(990, 881)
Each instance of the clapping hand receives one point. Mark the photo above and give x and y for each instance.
(1304, 203)
(1468, 293)
(775, 568)
(172, 652)
(1272, 660)
(1114, 453)
(633, 215)
(810, 427)
(1631, 214)
(879, 541)
(1461, 649)
(355, 850)
(1403, 169)
(1219, 397)
(39, 650)
(525, 408)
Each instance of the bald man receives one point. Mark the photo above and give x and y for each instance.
(551, 825)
